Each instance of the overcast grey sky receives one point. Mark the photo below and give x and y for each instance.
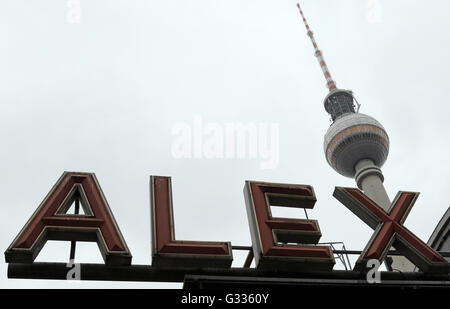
(103, 95)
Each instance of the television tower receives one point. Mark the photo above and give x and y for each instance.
(356, 145)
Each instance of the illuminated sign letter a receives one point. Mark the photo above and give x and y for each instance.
(168, 252)
(51, 222)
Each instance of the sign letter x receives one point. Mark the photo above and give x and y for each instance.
(389, 230)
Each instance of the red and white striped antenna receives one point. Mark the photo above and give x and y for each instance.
(331, 84)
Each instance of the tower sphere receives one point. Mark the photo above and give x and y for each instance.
(353, 137)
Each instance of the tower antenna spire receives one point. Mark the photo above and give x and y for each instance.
(331, 84)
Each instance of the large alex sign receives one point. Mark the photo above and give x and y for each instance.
(278, 243)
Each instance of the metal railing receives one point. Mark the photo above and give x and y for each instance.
(342, 254)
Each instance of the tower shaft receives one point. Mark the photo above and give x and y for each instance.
(370, 179)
